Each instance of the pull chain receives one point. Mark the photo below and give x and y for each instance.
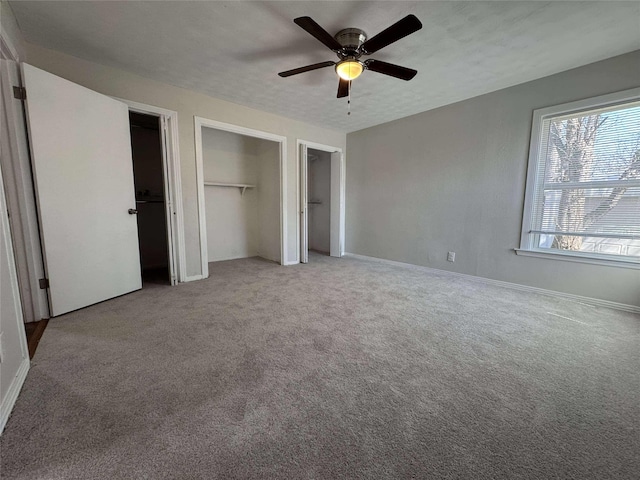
(349, 100)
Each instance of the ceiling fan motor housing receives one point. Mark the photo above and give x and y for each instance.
(350, 39)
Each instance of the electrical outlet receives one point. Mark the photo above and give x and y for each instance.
(451, 257)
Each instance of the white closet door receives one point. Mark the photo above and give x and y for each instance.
(304, 216)
(83, 174)
(336, 241)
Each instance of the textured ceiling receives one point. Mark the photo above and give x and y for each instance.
(234, 50)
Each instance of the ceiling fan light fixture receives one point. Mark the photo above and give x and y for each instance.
(349, 69)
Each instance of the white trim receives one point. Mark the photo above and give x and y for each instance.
(21, 202)
(172, 186)
(527, 239)
(284, 246)
(343, 203)
(580, 258)
(319, 146)
(193, 278)
(199, 123)
(13, 275)
(302, 230)
(516, 286)
(202, 219)
(592, 103)
(11, 396)
(329, 149)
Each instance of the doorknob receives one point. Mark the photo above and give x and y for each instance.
(133, 211)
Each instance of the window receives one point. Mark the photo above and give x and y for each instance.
(583, 184)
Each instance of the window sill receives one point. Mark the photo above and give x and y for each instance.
(572, 257)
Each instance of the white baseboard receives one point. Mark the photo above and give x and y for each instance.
(576, 298)
(12, 394)
(192, 278)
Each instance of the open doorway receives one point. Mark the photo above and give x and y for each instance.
(321, 200)
(146, 149)
(241, 191)
(161, 126)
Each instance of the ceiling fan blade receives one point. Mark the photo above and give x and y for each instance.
(317, 31)
(343, 88)
(308, 68)
(390, 69)
(395, 32)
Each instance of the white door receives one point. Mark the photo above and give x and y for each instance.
(336, 233)
(304, 218)
(83, 175)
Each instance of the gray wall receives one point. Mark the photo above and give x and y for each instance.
(319, 185)
(453, 179)
(10, 30)
(269, 200)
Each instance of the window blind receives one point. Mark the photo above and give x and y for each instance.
(587, 186)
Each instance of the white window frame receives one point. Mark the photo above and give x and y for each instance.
(528, 242)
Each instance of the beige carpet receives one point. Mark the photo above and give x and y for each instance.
(342, 368)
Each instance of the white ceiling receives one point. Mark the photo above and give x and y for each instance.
(234, 50)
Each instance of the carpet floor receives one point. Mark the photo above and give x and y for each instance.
(342, 368)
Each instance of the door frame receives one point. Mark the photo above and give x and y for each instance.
(303, 211)
(303, 202)
(172, 185)
(199, 124)
(21, 204)
(19, 376)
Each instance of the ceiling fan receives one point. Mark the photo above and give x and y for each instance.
(351, 43)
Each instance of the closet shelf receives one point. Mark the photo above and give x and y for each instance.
(241, 186)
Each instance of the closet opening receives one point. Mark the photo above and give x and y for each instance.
(319, 201)
(149, 182)
(241, 190)
(322, 190)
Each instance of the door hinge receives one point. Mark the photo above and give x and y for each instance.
(20, 93)
(44, 283)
